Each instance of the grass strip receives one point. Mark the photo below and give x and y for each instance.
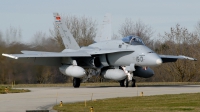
(158, 103)
(8, 89)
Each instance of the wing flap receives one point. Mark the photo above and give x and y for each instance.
(49, 61)
(36, 52)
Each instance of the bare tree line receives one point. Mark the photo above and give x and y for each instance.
(178, 41)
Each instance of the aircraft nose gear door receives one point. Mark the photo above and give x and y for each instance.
(128, 79)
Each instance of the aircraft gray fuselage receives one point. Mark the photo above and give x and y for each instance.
(141, 55)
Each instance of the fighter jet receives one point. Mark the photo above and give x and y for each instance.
(118, 60)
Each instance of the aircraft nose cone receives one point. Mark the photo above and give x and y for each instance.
(158, 61)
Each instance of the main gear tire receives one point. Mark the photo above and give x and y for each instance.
(76, 82)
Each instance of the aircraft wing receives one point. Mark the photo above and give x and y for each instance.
(36, 54)
(55, 58)
(79, 53)
(45, 58)
(172, 58)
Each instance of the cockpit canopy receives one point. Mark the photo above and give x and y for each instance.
(133, 40)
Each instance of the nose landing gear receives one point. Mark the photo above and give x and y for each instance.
(126, 82)
(129, 78)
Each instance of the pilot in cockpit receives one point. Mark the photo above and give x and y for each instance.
(133, 40)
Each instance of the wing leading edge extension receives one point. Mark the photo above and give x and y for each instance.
(171, 58)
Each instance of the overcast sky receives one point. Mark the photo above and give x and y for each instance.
(32, 16)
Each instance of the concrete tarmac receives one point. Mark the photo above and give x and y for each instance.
(45, 97)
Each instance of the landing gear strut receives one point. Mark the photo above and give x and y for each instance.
(76, 82)
(129, 78)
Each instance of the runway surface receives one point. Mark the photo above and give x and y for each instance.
(45, 97)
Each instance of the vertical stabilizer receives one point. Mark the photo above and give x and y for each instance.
(105, 33)
(68, 39)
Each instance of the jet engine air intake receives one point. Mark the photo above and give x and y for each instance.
(72, 70)
(97, 62)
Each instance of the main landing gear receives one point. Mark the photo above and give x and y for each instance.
(76, 82)
(129, 78)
